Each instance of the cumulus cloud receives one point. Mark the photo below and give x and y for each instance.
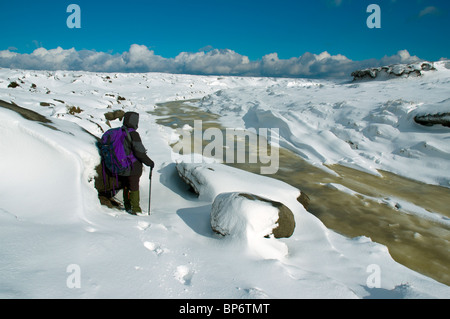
(140, 58)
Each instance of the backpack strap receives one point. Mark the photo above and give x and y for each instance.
(128, 130)
(128, 142)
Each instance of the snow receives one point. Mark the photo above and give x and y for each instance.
(51, 218)
(367, 126)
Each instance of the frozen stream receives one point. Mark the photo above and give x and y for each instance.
(410, 218)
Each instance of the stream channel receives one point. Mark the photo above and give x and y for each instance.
(373, 207)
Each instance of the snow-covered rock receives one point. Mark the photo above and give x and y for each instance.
(434, 114)
(397, 70)
(433, 119)
(249, 221)
(211, 179)
(246, 206)
(237, 213)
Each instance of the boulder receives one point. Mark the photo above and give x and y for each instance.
(114, 115)
(431, 114)
(433, 119)
(247, 215)
(208, 180)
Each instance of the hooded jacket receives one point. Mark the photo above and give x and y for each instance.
(131, 120)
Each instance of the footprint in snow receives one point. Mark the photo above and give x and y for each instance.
(184, 275)
(143, 225)
(154, 247)
(255, 293)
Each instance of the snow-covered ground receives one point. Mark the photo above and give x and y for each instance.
(57, 241)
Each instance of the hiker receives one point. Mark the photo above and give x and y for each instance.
(130, 180)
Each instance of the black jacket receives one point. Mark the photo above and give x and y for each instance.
(131, 120)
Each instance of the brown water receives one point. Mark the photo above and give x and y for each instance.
(416, 242)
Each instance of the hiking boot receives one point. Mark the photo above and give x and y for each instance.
(134, 200)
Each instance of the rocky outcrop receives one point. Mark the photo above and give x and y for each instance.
(433, 114)
(392, 71)
(25, 113)
(433, 119)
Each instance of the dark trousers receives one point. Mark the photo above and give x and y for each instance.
(131, 182)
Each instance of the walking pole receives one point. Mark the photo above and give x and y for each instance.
(149, 190)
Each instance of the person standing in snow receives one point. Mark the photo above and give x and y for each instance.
(131, 197)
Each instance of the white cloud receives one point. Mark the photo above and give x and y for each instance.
(213, 62)
(431, 10)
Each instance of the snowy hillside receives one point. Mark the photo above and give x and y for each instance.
(53, 227)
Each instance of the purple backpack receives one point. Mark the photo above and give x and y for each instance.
(115, 150)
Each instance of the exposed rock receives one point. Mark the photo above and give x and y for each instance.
(114, 115)
(433, 114)
(25, 113)
(117, 114)
(13, 85)
(433, 119)
(74, 110)
(46, 104)
(304, 200)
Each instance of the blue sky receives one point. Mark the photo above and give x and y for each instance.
(251, 28)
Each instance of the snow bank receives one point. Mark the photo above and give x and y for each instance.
(40, 160)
